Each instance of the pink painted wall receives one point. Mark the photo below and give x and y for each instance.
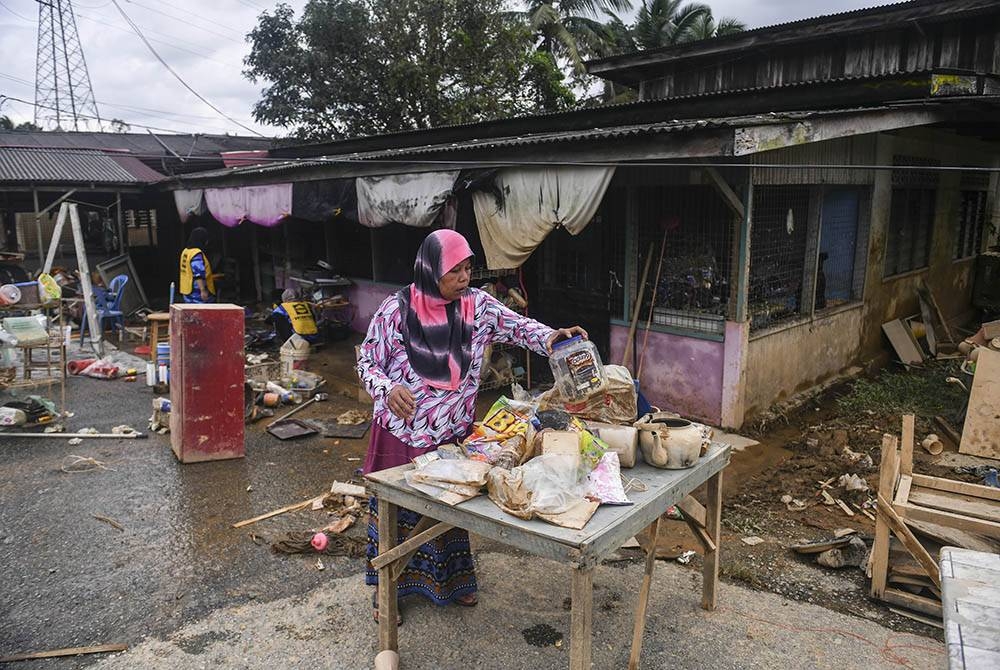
(680, 374)
(366, 296)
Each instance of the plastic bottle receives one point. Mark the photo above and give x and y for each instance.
(577, 368)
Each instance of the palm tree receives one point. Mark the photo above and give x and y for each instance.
(569, 28)
(662, 23)
(705, 27)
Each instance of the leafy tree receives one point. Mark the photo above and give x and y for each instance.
(662, 23)
(7, 124)
(570, 29)
(360, 67)
(705, 27)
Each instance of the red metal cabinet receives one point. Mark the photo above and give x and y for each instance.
(206, 382)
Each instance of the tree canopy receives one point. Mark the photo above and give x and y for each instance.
(359, 67)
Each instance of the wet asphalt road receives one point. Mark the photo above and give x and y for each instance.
(72, 580)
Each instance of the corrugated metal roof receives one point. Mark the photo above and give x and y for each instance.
(140, 144)
(22, 164)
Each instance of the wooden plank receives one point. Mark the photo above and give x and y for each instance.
(955, 486)
(726, 191)
(710, 569)
(581, 618)
(903, 343)
(410, 544)
(913, 602)
(946, 536)
(948, 430)
(388, 604)
(639, 626)
(68, 651)
(969, 525)
(927, 294)
(692, 508)
(700, 532)
(281, 510)
(928, 321)
(981, 433)
(886, 488)
(906, 446)
(399, 566)
(903, 490)
(956, 502)
(909, 540)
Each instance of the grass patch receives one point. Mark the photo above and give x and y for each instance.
(921, 391)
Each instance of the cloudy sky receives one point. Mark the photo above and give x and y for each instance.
(204, 41)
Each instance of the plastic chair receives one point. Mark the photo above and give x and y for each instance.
(108, 305)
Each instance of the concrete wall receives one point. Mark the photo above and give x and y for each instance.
(366, 296)
(791, 359)
(681, 374)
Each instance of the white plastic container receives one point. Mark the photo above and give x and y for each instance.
(577, 368)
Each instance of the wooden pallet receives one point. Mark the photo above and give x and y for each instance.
(907, 500)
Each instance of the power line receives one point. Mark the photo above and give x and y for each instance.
(136, 125)
(186, 22)
(172, 45)
(177, 76)
(20, 16)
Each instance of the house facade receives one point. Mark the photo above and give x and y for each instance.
(770, 201)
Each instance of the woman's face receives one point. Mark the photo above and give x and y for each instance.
(454, 282)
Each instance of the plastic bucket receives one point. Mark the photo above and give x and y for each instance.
(9, 294)
(293, 360)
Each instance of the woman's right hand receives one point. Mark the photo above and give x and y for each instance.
(401, 403)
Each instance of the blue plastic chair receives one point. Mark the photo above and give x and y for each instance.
(108, 305)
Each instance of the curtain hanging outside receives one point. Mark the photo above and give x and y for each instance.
(264, 205)
(189, 203)
(409, 199)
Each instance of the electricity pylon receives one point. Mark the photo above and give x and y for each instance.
(64, 98)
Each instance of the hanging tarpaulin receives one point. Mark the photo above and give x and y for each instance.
(263, 205)
(529, 203)
(410, 199)
(325, 200)
(189, 203)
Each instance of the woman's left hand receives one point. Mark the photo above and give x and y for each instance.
(564, 334)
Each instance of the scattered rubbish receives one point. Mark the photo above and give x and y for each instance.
(68, 651)
(280, 510)
(123, 430)
(300, 542)
(852, 554)
(56, 428)
(287, 429)
(88, 431)
(793, 504)
(319, 541)
(319, 397)
(752, 541)
(820, 546)
(75, 441)
(852, 482)
(319, 564)
(987, 473)
(84, 433)
(842, 505)
(352, 417)
(686, 557)
(74, 463)
(111, 522)
(932, 444)
(353, 459)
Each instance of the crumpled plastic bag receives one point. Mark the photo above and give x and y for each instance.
(617, 403)
(547, 487)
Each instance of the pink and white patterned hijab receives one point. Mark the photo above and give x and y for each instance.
(437, 333)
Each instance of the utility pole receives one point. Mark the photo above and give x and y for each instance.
(64, 97)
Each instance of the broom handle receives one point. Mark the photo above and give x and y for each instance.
(652, 303)
(637, 307)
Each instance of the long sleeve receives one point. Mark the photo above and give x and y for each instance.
(513, 328)
(373, 359)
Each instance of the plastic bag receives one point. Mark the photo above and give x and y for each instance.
(546, 484)
(604, 483)
(618, 403)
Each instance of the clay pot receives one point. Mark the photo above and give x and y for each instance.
(670, 442)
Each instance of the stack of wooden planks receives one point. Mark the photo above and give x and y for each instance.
(917, 516)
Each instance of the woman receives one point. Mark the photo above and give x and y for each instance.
(421, 362)
(197, 282)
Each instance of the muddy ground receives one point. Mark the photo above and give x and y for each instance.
(73, 579)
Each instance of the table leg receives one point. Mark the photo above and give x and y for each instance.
(713, 525)
(581, 618)
(154, 338)
(640, 611)
(388, 529)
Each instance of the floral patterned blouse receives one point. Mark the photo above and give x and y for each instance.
(441, 415)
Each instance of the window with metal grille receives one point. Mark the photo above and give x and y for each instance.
(140, 225)
(911, 214)
(973, 217)
(778, 254)
(908, 238)
(843, 246)
(693, 287)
